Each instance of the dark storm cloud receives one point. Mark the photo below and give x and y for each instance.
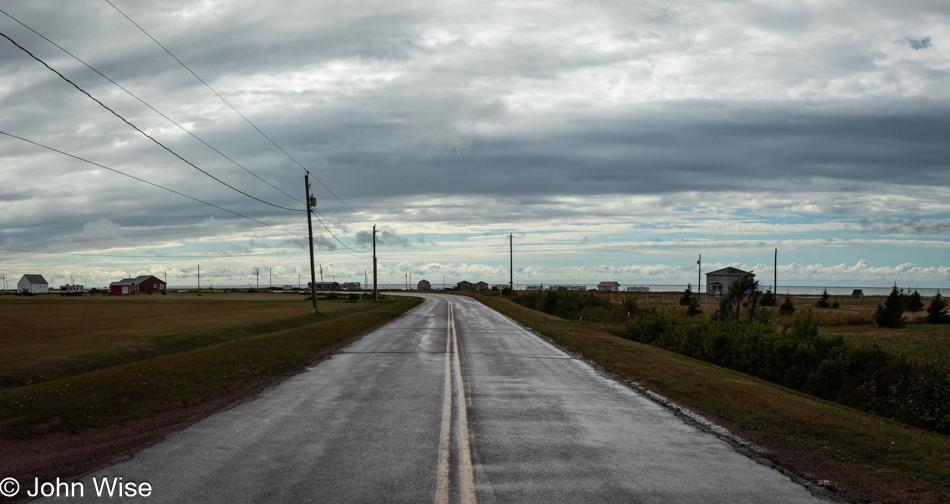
(919, 43)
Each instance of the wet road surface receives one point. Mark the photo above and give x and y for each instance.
(452, 402)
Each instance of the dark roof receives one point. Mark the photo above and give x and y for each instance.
(728, 271)
(35, 279)
(139, 279)
(127, 281)
(607, 284)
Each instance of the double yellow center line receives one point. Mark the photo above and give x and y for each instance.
(466, 478)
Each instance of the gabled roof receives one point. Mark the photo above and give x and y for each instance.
(141, 278)
(607, 284)
(127, 281)
(35, 279)
(728, 271)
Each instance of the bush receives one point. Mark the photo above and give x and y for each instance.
(891, 314)
(768, 299)
(573, 305)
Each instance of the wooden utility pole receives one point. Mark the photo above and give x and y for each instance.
(375, 285)
(199, 278)
(699, 276)
(511, 266)
(775, 274)
(311, 201)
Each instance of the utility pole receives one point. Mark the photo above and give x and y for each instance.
(699, 276)
(375, 285)
(270, 278)
(511, 265)
(323, 286)
(775, 275)
(365, 282)
(199, 278)
(257, 271)
(311, 201)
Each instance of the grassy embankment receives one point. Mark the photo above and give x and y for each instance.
(793, 420)
(72, 363)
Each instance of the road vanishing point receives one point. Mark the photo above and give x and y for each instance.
(450, 402)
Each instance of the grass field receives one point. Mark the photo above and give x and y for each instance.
(73, 363)
(877, 446)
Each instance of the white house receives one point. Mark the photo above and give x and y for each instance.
(717, 282)
(34, 284)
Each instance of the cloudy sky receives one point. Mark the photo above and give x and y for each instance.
(614, 140)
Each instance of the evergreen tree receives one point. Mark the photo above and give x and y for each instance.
(823, 302)
(787, 307)
(835, 304)
(687, 296)
(768, 299)
(937, 311)
(891, 314)
(912, 302)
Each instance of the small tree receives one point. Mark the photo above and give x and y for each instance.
(687, 296)
(937, 311)
(912, 302)
(746, 287)
(891, 314)
(787, 307)
(768, 299)
(823, 302)
(835, 304)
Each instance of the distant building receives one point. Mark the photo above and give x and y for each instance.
(608, 286)
(34, 284)
(288, 287)
(482, 286)
(326, 286)
(424, 285)
(533, 287)
(717, 282)
(637, 288)
(351, 286)
(465, 285)
(124, 287)
(579, 288)
(857, 294)
(148, 283)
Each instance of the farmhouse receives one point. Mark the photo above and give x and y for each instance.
(465, 285)
(482, 286)
(608, 286)
(424, 285)
(717, 282)
(34, 284)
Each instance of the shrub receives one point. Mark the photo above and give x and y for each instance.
(891, 314)
(768, 299)
(572, 305)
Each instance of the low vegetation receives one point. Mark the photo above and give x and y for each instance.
(75, 363)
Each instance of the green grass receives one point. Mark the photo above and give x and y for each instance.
(95, 362)
(918, 342)
(792, 419)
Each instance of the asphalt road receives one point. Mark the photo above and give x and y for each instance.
(451, 402)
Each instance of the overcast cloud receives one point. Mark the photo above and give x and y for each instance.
(611, 138)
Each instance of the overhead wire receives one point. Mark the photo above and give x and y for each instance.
(136, 128)
(235, 109)
(154, 256)
(317, 215)
(143, 102)
(147, 182)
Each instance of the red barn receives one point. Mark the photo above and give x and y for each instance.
(123, 287)
(148, 283)
(131, 286)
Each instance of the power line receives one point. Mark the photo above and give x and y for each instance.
(317, 215)
(136, 128)
(147, 182)
(143, 102)
(100, 254)
(234, 109)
